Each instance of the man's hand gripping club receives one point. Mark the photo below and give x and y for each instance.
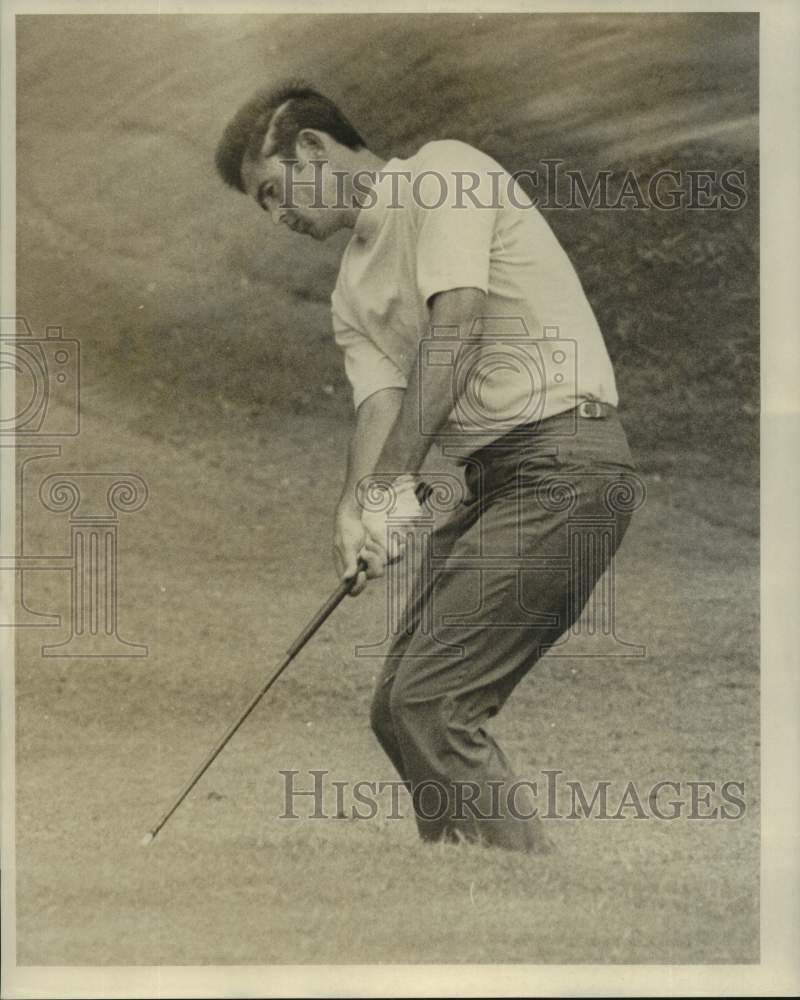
(365, 535)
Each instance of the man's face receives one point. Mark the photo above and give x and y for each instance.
(301, 195)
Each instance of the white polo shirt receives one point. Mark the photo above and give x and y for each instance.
(451, 217)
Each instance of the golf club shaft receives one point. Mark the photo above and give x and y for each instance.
(324, 612)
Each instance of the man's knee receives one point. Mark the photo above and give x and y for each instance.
(399, 703)
(415, 715)
(380, 716)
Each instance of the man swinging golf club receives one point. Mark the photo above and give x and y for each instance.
(464, 325)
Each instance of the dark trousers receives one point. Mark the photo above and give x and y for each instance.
(506, 579)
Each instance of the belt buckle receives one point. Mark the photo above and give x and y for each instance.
(591, 409)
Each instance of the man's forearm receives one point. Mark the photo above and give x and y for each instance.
(375, 418)
(406, 443)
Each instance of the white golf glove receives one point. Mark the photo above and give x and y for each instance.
(386, 509)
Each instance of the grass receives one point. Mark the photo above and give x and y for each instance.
(103, 746)
(183, 296)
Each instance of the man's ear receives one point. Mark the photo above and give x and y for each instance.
(311, 145)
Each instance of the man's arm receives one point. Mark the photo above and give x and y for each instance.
(406, 446)
(374, 420)
(388, 440)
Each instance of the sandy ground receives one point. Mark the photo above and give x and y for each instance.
(217, 574)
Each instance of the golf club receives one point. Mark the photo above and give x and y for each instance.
(423, 492)
(321, 616)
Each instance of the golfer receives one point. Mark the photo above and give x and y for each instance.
(464, 328)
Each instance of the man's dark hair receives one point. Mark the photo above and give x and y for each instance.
(305, 108)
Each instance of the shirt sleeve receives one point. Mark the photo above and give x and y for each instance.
(367, 368)
(454, 227)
